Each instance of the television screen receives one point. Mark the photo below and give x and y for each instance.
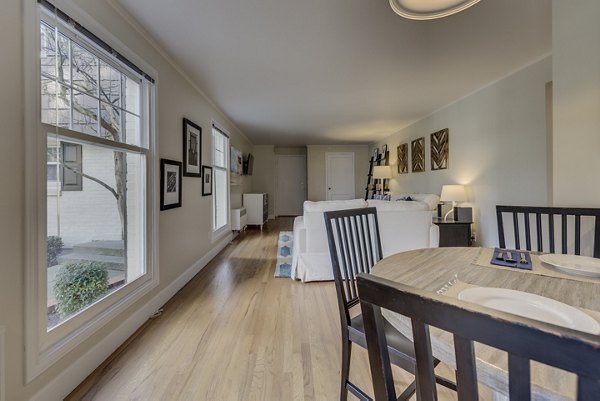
(249, 164)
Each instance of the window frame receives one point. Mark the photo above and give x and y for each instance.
(218, 233)
(42, 347)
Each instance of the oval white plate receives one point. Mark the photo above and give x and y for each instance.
(573, 264)
(531, 306)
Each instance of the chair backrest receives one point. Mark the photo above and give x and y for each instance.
(354, 246)
(549, 223)
(316, 238)
(522, 338)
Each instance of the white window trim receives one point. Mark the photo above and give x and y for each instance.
(42, 348)
(218, 234)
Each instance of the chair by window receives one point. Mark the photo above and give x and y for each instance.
(355, 246)
(572, 351)
(542, 225)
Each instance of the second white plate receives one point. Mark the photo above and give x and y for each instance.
(531, 306)
(573, 264)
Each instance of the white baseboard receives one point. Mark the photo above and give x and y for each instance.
(72, 376)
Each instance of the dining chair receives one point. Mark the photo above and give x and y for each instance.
(523, 339)
(355, 247)
(549, 222)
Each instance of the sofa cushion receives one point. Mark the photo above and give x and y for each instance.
(314, 222)
(397, 206)
(325, 206)
(401, 232)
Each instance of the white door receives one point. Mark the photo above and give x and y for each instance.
(339, 168)
(290, 184)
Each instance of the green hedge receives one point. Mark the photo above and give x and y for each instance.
(55, 247)
(78, 285)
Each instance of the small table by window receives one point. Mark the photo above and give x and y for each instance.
(454, 233)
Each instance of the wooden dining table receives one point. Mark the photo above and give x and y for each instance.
(449, 270)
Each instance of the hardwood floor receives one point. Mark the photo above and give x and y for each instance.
(235, 332)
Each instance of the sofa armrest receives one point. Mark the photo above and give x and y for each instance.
(434, 236)
(299, 235)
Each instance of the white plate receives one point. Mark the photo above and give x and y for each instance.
(531, 306)
(574, 264)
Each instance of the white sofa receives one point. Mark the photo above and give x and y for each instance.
(403, 225)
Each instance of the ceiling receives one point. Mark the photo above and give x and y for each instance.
(339, 71)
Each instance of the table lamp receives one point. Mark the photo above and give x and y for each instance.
(453, 193)
(382, 173)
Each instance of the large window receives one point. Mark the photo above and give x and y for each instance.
(95, 121)
(221, 181)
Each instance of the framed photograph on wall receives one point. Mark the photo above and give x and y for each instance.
(170, 184)
(207, 180)
(192, 148)
(375, 153)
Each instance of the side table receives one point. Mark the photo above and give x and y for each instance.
(454, 233)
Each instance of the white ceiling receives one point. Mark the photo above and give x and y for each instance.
(340, 71)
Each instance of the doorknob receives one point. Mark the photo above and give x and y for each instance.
(329, 188)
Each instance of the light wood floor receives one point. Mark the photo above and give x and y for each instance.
(235, 332)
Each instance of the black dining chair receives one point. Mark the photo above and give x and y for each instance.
(541, 226)
(523, 339)
(355, 247)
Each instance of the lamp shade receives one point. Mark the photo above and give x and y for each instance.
(453, 193)
(429, 9)
(382, 172)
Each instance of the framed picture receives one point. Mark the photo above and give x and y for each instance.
(440, 149)
(192, 148)
(403, 158)
(236, 161)
(207, 180)
(170, 184)
(418, 155)
(384, 150)
(375, 153)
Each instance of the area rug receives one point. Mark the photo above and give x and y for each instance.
(283, 267)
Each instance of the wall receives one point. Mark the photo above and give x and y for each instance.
(184, 232)
(497, 147)
(263, 179)
(316, 168)
(576, 75)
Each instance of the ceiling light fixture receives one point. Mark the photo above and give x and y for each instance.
(429, 9)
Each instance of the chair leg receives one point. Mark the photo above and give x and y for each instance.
(346, 354)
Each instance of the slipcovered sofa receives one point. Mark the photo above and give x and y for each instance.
(403, 225)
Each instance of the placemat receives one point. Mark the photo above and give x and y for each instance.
(537, 267)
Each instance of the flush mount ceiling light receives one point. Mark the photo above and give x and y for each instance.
(429, 9)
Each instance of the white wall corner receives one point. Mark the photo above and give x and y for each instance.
(72, 376)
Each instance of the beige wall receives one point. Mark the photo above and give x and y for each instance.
(497, 147)
(184, 232)
(263, 178)
(576, 75)
(316, 168)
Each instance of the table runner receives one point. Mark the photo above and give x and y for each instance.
(537, 267)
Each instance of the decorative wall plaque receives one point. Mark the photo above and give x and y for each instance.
(439, 150)
(403, 158)
(418, 155)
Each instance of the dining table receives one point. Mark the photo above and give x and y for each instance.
(450, 271)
